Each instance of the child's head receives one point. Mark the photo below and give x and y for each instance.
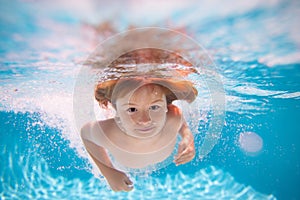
(141, 99)
(141, 103)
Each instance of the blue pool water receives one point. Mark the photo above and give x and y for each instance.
(255, 46)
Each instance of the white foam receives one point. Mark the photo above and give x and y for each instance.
(271, 60)
(288, 95)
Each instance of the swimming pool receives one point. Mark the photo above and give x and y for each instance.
(255, 47)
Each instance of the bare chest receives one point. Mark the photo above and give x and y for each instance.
(139, 153)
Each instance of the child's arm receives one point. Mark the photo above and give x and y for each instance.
(117, 180)
(186, 149)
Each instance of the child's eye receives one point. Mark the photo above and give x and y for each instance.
(131, 110)
(154, 107)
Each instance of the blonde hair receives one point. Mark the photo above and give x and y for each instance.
(175, 89)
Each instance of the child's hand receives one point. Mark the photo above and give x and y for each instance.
(119, 181)
(186, 150)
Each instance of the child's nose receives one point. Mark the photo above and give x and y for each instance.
(144, 118)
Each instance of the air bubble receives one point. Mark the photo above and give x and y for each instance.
(250, 142)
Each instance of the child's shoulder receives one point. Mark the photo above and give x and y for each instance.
(97, 132)
(95, 128)
(86, 129)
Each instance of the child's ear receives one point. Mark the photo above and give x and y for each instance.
(103, 103)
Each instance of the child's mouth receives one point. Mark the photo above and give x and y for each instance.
(147, 129)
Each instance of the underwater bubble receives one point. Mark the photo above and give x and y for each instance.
(250, 142)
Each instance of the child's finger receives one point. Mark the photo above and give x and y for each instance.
(185, 157)
(184, 151)
(128, 184)
(181, 148)
(183, 161)
(180, 161)
(128, 181)
(128, 188)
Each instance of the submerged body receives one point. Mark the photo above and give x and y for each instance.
(145, 128)
(134, 152)
(142, 133)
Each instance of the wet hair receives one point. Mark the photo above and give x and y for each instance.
(109, 91)
(174, 89)
(150, 55)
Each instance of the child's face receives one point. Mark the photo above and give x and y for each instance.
(143, 112)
